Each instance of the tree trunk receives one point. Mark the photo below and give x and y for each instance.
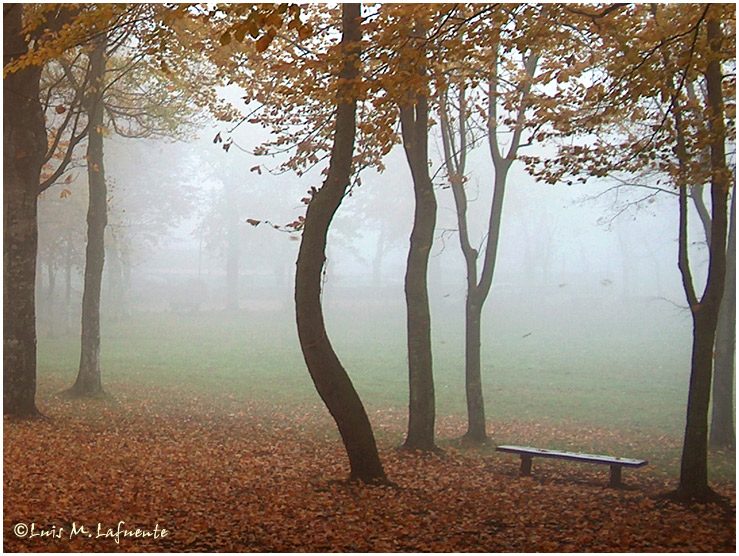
(89, 382)
(694, 465)
(723, 434)
(233, 248)
(330, 379)
(126, 280)
(377, 260)
(68, 287)
(476, 428)
(51, 271)
(113, 282)
(422, 406)
(24, 147)
(50, 295)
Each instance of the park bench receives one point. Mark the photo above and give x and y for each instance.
(616, 464)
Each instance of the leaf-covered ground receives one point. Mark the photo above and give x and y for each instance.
(233, 475)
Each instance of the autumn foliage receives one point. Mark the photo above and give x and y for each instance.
(238, 474)
(232, 474)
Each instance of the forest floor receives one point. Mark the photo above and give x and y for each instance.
(236, 473)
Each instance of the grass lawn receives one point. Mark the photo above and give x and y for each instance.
(568, 387)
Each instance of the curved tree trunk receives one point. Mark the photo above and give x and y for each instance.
(331, 380)
(422, 410)
(89, 382)
(24, 147)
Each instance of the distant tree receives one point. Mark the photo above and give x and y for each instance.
(222, 225)
(126, 95)
(147, 200)
(61, 228)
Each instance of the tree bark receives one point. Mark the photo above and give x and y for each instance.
(723, 434)
(422, 405)
(330, 379)
(694, 464)
(89, 381)
(24, 147)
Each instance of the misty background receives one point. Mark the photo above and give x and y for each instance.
(585, 273)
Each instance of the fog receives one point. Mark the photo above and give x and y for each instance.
(578, 268)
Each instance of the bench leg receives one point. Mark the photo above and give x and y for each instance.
(615, 476)
(525, 465)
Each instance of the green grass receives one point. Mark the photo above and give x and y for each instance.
(575, 386)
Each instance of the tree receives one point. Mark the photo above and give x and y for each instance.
(60, 235)
(705, 310)
(414, 127)
(301, 93)
(222, 224)
(33, 34)
(48, 32)
(330, 378)
(25, 150)
(24, 146)
(89, 381)
(455, 144)
(138, 102)
(723, 434)
(650, 57)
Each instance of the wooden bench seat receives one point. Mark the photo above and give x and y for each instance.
(527, 454)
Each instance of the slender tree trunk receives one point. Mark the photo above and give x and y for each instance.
(694, 465)
(126, 280)
(476, 428)
(89, 381)
(68, 287)
(51, 271)
(478, 290)
(330, 379)
(723, 434)
(113, 281)
(377, 260)
(233, 248)
(422, 406)
(24, 146)
(50, 295)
